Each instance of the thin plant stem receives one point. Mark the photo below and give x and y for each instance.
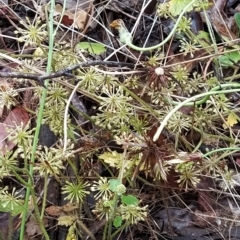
(45, 188)
(192, 100)
(119, 230)
(234, 149)
(25, 157)
(19, 178)
(85, 229)
(30, 190)
(116, 196)
(38, 216)
(110, 222)
(10, 227)
(126, 37)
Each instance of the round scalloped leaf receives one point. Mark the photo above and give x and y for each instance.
(93, 48)
(237, 19)
(117, 222)
(113, 184)
(129, 200)
(177, 6)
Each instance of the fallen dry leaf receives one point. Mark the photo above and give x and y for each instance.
(32, 227)
(76, 19)
(55, 211)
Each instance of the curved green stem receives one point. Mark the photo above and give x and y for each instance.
(203, 100)
(126, 38)
(192, 100)
(234, 149)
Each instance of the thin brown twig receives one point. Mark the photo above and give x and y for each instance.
(64, 72)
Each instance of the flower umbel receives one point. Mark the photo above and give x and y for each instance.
(49, 161)
(9, 200)
(7, 98)
(76, 192)
(102, 188)
(7, 161)
(133, 213)
(184, 25)
(163, 10)
(180, 73)
(20, 134)
(188, 47)
(104, 208)
(188, 175)
(34, 33)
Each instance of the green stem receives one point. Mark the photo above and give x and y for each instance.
(127, 38)
(234, 149)
(45, 188)
(192, 101)
(113, 210)
(30, 190)
(19, 178)
(116, 196)
(202, 101)
(37, 215)
(105, 232)
(85, 229)
(119, 230)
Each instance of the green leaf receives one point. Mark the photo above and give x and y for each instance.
(113, 158)
(177, 6)
(113, 184)
(14, 208)
(117, 222)
(202, 35)
(93, 48)
(129, 200)
(228, 60)
(237, 19)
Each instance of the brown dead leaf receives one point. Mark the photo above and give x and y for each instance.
(33, 228)
(55, 211)
(77, 19)
(71, 17)
(220, 21)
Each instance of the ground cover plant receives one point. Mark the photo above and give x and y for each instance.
(119, 119)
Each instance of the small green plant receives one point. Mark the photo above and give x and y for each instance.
(152, 126)
(119, 208)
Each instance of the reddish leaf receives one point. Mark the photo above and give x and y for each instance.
(238, 161)
(67, 21)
